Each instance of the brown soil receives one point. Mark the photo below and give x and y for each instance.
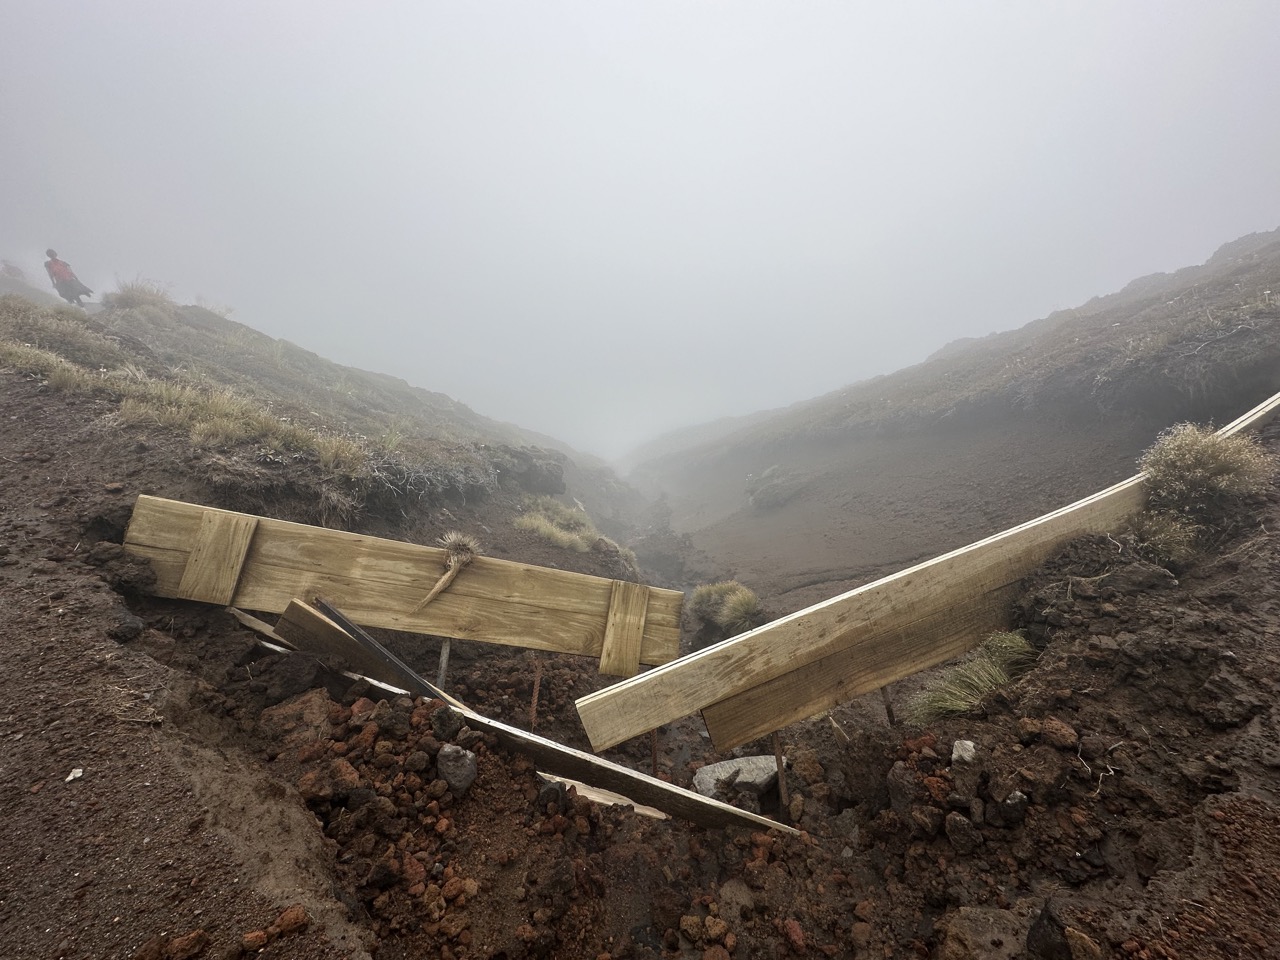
(1122, 802)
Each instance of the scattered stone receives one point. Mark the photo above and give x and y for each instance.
(293, 920)
(714, 929)
(1058, 734)
(982, 933)
(253, 941)
(446, 723)
(754, 775)
(1047, 938)
(187, 946)
(964, 836)
(926, 820)
(691, 927)
(1028, 729)
(457, 767)
(1008, 813)
(794, 934)
(807, 767)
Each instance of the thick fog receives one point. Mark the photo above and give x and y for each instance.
(601, 220)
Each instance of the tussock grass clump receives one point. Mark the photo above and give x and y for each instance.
(558, 524)
(1196, 483)
(957, 691)
(1010, 651)
(1166, 538)
(341, 454)
(540, 526)
(740, 612)
(139, 294)
(962, 688)
(1192, 470)
(722, 610)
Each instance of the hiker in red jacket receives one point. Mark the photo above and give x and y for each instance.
(64, 279)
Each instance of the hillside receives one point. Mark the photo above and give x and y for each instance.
(826, 494)
(172, 790)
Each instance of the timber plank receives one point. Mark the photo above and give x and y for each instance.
(884, 657)
(380, 582)
(805, 663)
(624, 629)
(217, 557)
(551, 756)
(734, 666)
(306, 628)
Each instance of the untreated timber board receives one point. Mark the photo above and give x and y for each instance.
(379, 582)
(878, 633)
(624, 629)
(306, 628)
(217, 556)
(356, 646)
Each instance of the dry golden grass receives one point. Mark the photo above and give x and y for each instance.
(1166, 538)
(1191, 469)
(138, 294)
(741, 611)
(543, 527)
(558, 524)
(724, 609)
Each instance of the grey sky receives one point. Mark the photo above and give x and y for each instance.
(601, 219)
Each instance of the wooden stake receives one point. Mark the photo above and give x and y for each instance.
(444, 662)
(783, 792)
(537, 685)
(653, 750)
(886, 694)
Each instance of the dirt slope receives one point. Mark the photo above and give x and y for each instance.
(1122, 798)
(987, 433)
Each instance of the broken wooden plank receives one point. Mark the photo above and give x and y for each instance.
(554, 757)
(379, 583)
(217, 557)
(306, 628)
(260, 627)
(624, 629)
(829, 653)
(388, 661)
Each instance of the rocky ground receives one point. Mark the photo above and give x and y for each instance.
(172, 790)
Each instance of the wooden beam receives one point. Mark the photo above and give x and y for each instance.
(872, 618)
(357, 646)
(812, 660)
(217, 556)
(624, 629)
(379, 583)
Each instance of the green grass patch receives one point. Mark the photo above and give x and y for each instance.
(962, 688)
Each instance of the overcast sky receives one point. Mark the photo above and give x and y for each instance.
(602, 220)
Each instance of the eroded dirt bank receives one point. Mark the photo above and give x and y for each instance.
(1120, 800)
